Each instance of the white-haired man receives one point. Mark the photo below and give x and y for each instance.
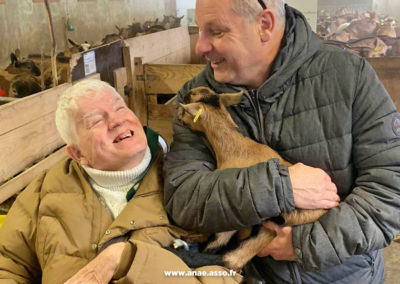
(313, 103)
(96, 216)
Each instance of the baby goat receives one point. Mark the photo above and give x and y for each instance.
(237, 151)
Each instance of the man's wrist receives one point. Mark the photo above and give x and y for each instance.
(125, 261)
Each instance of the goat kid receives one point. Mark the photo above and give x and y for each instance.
(236, 152)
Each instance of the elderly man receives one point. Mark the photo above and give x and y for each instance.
(321, 108)
(97, 216)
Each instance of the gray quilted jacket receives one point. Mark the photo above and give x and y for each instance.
(321, 106)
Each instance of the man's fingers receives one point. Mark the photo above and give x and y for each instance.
(331, 196)
(270, 225)
(263, 253)
(331, 204)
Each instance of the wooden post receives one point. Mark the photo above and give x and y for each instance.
(67, 52)
(138, 101)
(54, 44)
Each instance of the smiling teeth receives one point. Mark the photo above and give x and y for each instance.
(119, 139)
(127, 135)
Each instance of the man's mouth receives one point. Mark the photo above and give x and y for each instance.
(216, 62)
(124, 135)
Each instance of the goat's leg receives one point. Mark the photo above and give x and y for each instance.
(221, 239)
(302, 216)
(237, 258)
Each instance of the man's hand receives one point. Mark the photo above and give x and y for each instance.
(102, 268)
(312, 188)
(281, 247)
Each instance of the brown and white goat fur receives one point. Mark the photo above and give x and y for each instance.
(233, 150)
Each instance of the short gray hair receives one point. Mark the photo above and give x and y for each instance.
(251, 8)
(67, 106)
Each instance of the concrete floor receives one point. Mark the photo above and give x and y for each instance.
(391, 256)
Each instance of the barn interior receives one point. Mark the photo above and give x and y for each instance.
(146, 50)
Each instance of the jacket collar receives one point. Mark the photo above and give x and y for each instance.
(152, 142)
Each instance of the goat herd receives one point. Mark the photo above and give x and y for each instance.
(364, 33)
(26, 76)
(367, 34)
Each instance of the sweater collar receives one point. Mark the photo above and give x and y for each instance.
(116, 179)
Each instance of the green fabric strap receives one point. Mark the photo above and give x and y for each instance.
(152, 142)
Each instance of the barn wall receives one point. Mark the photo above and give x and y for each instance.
(388, 7)
(350, 4)
(23, 23)
(308, 8)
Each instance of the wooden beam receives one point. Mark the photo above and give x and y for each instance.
(22, 111)
(161, 112)
(169, 46)
(53, 44)
(163, 127)
(169, 78)
(388, 71)
(27, 144)
(19, 182)
(138, 101)
(120, 81)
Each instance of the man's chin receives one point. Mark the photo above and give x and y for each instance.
(223, 78)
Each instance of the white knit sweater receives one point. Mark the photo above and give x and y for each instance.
(112, 186)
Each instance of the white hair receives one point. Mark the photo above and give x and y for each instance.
(67, 106)
(251, 8)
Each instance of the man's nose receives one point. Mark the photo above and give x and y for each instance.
(115, 120)
(203, 45)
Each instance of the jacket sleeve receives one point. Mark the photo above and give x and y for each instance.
(18, 261)
(198, 196)
(146, 263)
(368, 219)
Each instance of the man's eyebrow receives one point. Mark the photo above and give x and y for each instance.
(93, 113)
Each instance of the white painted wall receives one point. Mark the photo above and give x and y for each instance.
(181, 10)
(308, 8)
(388, 7)
(23, 24)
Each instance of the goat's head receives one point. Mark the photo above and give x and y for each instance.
(204, 108)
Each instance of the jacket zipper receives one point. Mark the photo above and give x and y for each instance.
(295, 273)
(371, 262)
(253, 99)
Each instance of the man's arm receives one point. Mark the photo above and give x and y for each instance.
(18, 261)
(102, 268)
(368, 219)
(198, 196)
(139, 262)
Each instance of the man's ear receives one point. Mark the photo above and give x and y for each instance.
(75, 154)
(266, 24)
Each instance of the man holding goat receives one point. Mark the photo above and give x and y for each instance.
(325, 111)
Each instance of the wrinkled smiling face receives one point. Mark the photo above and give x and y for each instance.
(110, 135)
(230, 42)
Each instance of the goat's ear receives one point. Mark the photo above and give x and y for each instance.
(192, 108)
(231, 99)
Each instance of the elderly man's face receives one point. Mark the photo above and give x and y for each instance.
(110, 135)
(230, 42)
